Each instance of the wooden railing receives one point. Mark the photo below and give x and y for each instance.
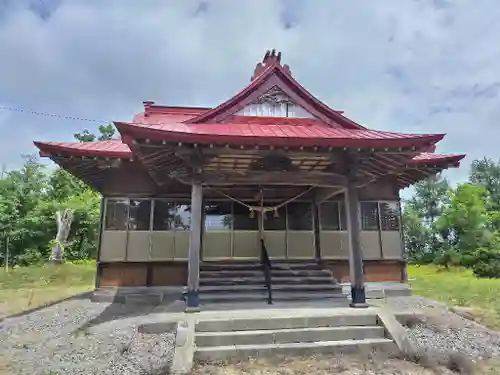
(266, 268)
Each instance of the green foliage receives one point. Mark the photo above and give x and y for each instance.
(106, 132)
(29, 200)
(460, 226)
(487, 263)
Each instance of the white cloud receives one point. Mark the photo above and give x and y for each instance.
(412, 66)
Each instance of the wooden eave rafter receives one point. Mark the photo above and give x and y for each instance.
(160, 162)
(166, 161)
(93, 171)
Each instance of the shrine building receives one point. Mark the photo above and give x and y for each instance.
(266, 192)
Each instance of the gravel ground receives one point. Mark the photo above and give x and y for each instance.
(446, 331)
(82, 337)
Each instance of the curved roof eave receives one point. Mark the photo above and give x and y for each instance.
(105, 149)
(437, 159)
(392, 140)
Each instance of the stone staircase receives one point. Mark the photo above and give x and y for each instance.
(225, 282)
(292, 336)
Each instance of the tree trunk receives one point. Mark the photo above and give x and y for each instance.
(64, 219)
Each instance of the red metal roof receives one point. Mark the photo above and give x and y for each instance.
(263, 120)
(314, 134)
(114, 148)
(284, 74)
(430, 158)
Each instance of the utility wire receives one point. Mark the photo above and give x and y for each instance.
(37, 113)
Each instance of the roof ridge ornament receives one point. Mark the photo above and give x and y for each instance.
(271, 57)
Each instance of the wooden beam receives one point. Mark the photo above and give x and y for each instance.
(273, 178)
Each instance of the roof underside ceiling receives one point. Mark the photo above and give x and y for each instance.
(223, 166)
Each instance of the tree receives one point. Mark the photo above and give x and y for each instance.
(486, 173)
(106, 132)
(430, 199)
(416, 236)
(463, 226)
(431, 195)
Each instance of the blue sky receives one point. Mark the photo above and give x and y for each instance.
(409, 66)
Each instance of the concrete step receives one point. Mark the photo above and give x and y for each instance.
(260, 280)
(291, 322)
(216, 266)
(207, 298)
(259, 273)
(285, 336)
(331, 287)
(217, 353)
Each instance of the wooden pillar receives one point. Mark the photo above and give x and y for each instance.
(193, 299)
(316, 228)
(404, 263)
(355, 251)
(99, 243)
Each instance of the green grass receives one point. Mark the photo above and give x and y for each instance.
(459, 287)
(25, 288)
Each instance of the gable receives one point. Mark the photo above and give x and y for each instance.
(273, 82)
(274, 103)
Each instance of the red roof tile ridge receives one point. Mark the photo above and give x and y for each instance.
(178, 109)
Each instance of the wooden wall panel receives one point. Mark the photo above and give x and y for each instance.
(301, 245)
(375, 271)
(123, 274)
(392, 246)
(138, 274)
(138, 246)
(275, 243)
(383, 271)
(171, 274)
(113, 246)
(217, 245)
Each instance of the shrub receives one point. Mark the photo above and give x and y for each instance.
(487, 263)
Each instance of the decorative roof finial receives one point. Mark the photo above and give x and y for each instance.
(270, 58)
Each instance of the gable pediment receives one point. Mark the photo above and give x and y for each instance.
(273, 92)
(274, 103)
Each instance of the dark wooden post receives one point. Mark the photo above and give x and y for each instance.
(316, 228)
(193, 299)
(355, 253)
(99, 244)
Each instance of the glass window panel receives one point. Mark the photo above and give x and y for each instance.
(164, 214)
(271, 222)
(369, 216)
(116, 214)
(389, 215)
(242, 219)
(218, 216)
(329, 216)
(139, 214)
(300, 216)
(182, 218)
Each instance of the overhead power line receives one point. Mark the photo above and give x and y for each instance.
(46, 114)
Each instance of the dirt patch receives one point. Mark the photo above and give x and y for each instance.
(321, 365)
